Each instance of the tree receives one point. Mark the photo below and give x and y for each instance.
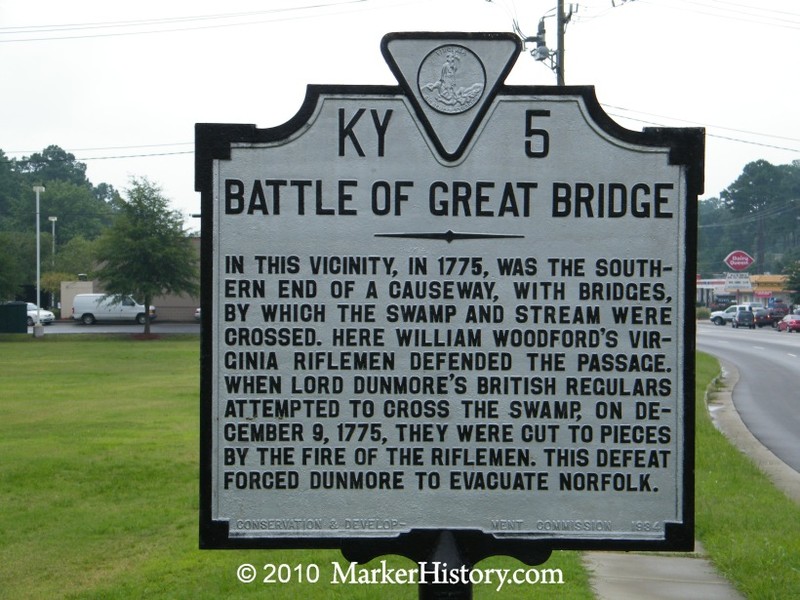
(146, 252)
(81, 209)
(764, 202)
(11, 275)
(76, 256)
(55, 164)
(107, 194)
(712, 233)
(78, 211)
(51, 283)
(792, 272)
(18, 263)
(11, 189)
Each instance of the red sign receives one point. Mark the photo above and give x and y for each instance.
(739, 260)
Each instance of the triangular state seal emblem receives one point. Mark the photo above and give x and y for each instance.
(451, 80)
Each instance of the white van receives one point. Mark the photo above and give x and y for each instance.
(88, 308)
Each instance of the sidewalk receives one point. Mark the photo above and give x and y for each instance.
(633, 576)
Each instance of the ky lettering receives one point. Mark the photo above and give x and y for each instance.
(347, 130)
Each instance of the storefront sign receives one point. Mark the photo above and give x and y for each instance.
(739, 260)
(738, 282)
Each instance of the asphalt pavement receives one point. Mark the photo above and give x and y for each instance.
(73, 327)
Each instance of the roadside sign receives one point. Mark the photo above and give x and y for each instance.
(449, 305)
(739, 260)
(738, 282)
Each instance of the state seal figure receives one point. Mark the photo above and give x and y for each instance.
(444, 93)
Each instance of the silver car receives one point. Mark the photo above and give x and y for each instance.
(45, 316)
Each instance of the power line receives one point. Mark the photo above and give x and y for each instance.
(610, 113)
(509, 6)
(771, 8)
(749, 9)
(277, 14)
(750, 18)
(722, 137)
(779, 137)
(761, 14)
(708, 134)
(136, 155)
(748, 219)
(71, 150)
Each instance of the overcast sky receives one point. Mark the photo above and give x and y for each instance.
(121, 85)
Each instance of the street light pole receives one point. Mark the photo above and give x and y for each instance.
(53, 255)
(37, 327)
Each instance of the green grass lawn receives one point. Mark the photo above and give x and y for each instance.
(99, 497)
(750, 529)
(98, 483)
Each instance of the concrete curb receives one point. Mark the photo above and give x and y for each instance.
(719, 402)
(632, 576)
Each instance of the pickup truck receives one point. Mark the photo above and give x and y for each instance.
(723, 317)
(769, 317)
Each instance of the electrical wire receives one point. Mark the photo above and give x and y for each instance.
(25, 160)
(762, 10)
(748, 219)
(779, 137)
(708, 134)
(718, 136)
(720, 10)
(272, 15)
(169, 20)
(751, 18)
(508, 5)
(607, 106)
(184, 152)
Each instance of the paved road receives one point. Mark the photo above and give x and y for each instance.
(64, 327)
(767, 396)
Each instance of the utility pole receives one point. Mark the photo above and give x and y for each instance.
(560, 25)
(555, 59)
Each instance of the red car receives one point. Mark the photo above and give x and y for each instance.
(789, 323)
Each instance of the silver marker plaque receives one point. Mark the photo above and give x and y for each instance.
(450, 305)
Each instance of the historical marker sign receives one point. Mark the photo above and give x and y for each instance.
(448, 305)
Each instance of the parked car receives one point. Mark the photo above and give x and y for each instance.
(45, 316)
(744, 317)
(197, 314)
(789, 323)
